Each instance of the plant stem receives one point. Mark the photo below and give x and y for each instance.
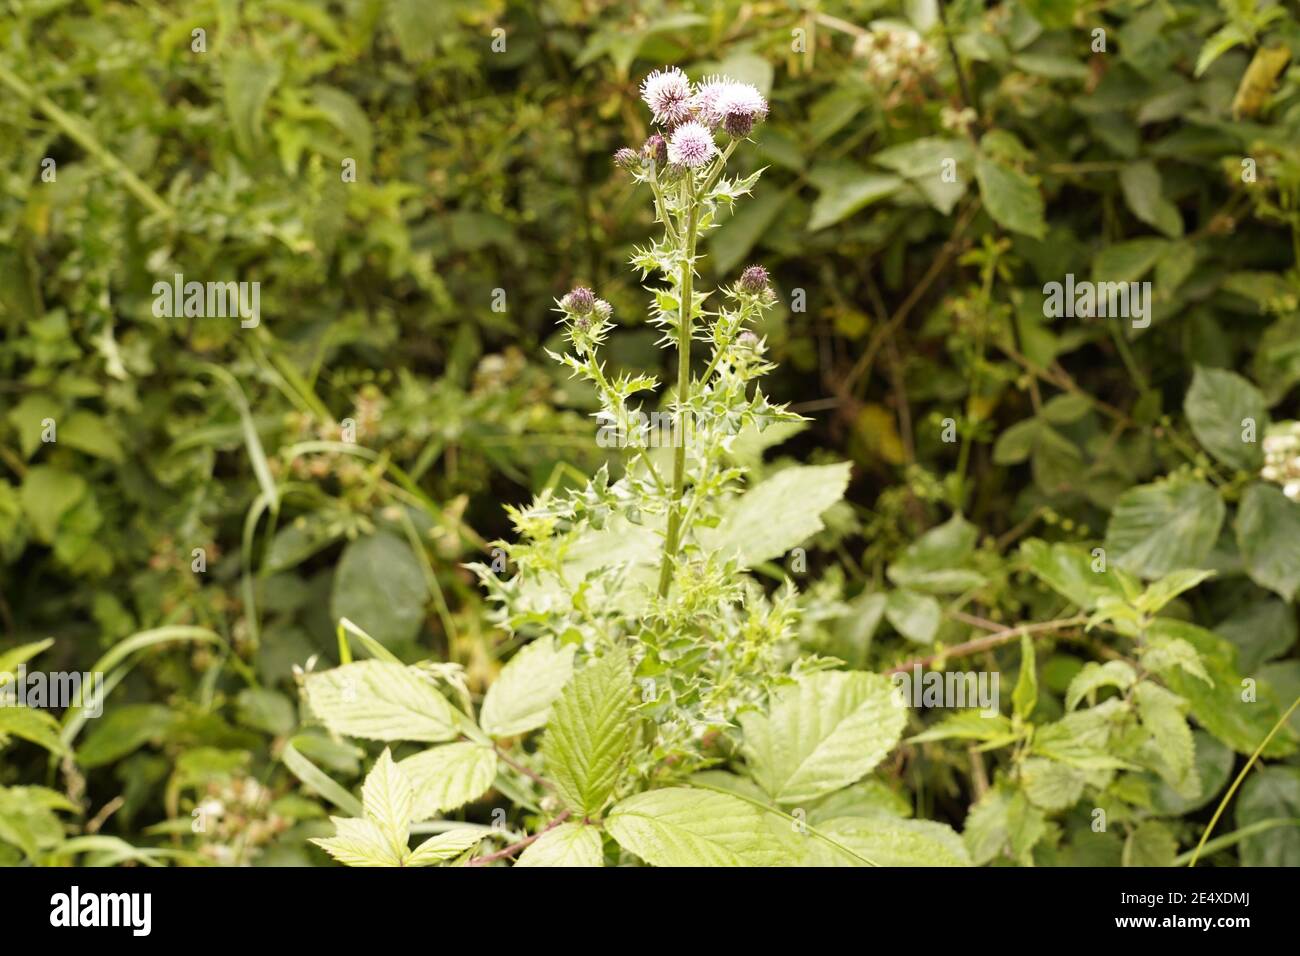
(517, 847)
(672, 540)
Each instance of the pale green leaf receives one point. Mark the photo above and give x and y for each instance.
(569, 844)
(1228, 416)
(379, 700)
(1159, 528)
(779, 513)
(822, 733)
(447, 777)
(520, 698)
(589, 735)
(684, 827)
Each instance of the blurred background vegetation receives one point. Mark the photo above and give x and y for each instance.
(412, 305)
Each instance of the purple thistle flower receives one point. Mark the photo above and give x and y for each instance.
(741, 106)
(580, 301)
(668, 94)
(626, 158)
(705, 100)
(655, 149)
(692, 145)
(753, 280)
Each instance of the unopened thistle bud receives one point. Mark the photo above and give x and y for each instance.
(626, 159)
(580, 301)
(747, 340)
(753, 280)
(655, 149)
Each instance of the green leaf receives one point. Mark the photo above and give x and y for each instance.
(1268, 533)
(1222, 407)
(1140, 183)
(35, 726)
(916, 616)
(1093, 676)
(90, 433)
(1025, 696)
(1070, 570)
(1261, 631)
(924, 161)
(846, 188)
(359, 842)
(379, 585)
(780, 513)
(822, 733)
(569, 844)
(1160, 593)
(933, 562)
(969, 725)
(1270, 793)
(679, 826)
(1161, 713)
(1214, 762)
(379, 700)
(1159, 528)
(47, 494)
(387, 799)
(1010, 197)
(1150, 844)
(520, 698)
(123, 730)
(444, 846)
(1219, 706)
(1128, 261)
(589, 736)
(1218, 44)
(1050, 784)
(889, 841)
(447, 777)
(1003, 823)
(249, 81)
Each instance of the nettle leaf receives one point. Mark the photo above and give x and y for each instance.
(1073, 572)
(1161, 713)
(824, 732)
(1150, 844)
(679, 826)
(35, 726)
(1268, 533)
(1224, 411)
(1161, 654)
(387, 799)
(1093, 676)
(448, 777)
(1219, 706)
(1162, 527)
(1010, 197)
(1025, 696)
(379, 700)
(778, 514)
(1157, 595)
(444, 846)
(589, 736)
(970, 725)
(569, 844)
(890, 841)
(1003, 822)
(520, 698)
(1050, 784)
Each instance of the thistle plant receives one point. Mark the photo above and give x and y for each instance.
(650, 655)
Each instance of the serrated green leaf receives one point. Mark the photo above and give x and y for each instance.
(1070, 571)
(387, 799)
(589, 735)
(916, 616)
(1050, 784)
(1162, 527)
(889, 841)
(569, 844)
(359, 842)
(1010, 197)
(444, 846)
(778, 514)
(520, 699)
(1094, 676)
(1268, 533)
(379, 700)
(444, 778)
(679, 826)
(822, 733)
(1224, 410)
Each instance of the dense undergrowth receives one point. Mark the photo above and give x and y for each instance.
(384, 512)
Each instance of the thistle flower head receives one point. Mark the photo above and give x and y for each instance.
(747, 340)
(626, 158)
(580, 301)
(655, 149)
(691, 145)
(668, 94)
(753, 280)
(721, 101)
